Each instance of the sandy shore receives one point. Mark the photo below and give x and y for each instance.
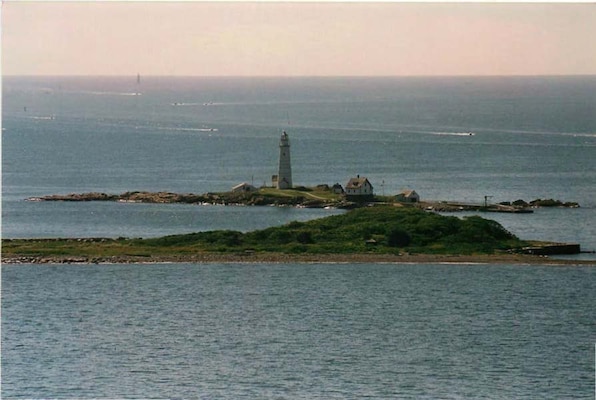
(300, 258)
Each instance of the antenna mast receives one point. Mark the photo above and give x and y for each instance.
(486, 200)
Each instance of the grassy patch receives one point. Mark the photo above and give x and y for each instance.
(307, 193)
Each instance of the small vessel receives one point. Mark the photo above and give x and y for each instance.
(138, 92)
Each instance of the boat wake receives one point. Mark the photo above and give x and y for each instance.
(453, 133)
(210, 103)
(96, 93)
(189, 129)
(44, 118)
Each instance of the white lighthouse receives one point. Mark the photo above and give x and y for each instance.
(284, 176)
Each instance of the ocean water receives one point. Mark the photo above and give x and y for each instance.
(246, 331)
(295, 331)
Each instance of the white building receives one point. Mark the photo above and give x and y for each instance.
(359, 187)
(284, 176)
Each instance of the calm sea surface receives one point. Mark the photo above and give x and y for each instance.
(248, 331)
(295, 331)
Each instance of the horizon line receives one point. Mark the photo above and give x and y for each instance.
(290, 76)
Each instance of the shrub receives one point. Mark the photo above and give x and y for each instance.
(398, 238)
(280, 237)
(304, 237)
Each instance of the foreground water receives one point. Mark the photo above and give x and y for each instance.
(246, 331)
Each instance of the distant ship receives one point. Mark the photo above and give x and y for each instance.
(138, 92)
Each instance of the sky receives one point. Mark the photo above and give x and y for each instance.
(297, 38)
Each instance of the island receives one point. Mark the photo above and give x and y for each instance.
(380, 233)
(320, 196)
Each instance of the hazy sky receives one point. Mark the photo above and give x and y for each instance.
(264, 38)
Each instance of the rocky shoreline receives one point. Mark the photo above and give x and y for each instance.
(281, 258)
(226, 198)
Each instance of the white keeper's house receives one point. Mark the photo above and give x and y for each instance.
(359, 188)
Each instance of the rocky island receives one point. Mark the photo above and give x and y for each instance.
(312, 197)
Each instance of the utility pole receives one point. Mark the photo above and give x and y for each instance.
(486, 200)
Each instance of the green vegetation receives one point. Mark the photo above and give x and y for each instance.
(319, 196)
(380, 229)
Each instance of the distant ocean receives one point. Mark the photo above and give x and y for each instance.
(295, 331)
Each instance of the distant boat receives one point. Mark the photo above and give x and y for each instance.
(138, 92)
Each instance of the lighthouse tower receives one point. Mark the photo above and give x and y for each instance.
(284, 176)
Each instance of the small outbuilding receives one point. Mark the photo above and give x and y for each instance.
(337, 189)
(408, 196)
(243, 188)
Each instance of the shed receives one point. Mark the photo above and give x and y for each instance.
(337, 189)
(243, 187)
(408, 196)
